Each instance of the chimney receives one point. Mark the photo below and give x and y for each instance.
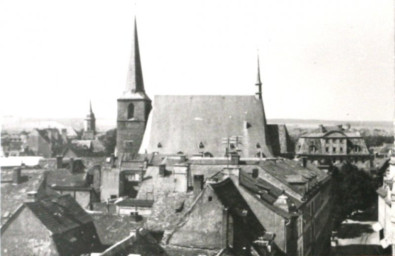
(198, 181)
(234, 158)
(16, 176)
(162, 170)
(31, 197)
(71, 165)
(59, 162)
(255, 173)
(282, 202)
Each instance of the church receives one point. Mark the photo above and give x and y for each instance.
(194, 125)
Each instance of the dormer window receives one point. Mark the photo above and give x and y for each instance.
(201, 145)
(258, 145)
(159, 145)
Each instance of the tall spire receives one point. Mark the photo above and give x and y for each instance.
(134, 83)
(90, 107)
(258, 80)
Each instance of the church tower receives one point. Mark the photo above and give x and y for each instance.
(89, 125)
(134, 107)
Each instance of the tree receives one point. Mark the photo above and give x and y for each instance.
(109, 140)
(353, 190)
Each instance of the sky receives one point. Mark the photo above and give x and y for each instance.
(320, 59)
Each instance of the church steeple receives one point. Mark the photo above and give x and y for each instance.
(89, 125)
(134, 83)
(134, 106)
(90, 108)
(258, 81)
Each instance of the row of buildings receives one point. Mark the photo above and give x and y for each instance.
(51, 142)
(210, 177)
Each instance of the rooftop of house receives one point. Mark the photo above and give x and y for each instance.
(167, 210)
(59, 213)
(13, 195)
(113, 228)
(141, 243)
(86, 148)
(193, 126)
(65, 178)
(332, 131)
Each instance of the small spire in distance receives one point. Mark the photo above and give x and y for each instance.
(258, 80)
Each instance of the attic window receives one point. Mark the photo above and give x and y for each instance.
(201, 145)
(232, 146)
(258, 145)
(247, 124)
(210, 198)
(159, 145)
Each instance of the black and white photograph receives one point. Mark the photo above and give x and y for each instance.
(197, 127)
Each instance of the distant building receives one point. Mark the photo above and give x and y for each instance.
(56, 225)
(46, 142)
(330, 145)
(194, 124)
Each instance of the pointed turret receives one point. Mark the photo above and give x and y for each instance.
(258, 81)
(89, 125)
(90, 108)
(134, 88)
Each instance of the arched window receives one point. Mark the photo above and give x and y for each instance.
(130, 111)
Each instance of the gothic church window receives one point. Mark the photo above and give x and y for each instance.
(130, 111)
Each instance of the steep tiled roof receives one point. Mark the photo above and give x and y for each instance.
(59, 213)
(279, 139)
(12, 196)
(167, 210)
(208, 120)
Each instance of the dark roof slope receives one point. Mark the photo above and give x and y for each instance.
(191, 121)
(59, 213)
(113, 228)
(234, 201)
(131, 202)
(13, 196)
